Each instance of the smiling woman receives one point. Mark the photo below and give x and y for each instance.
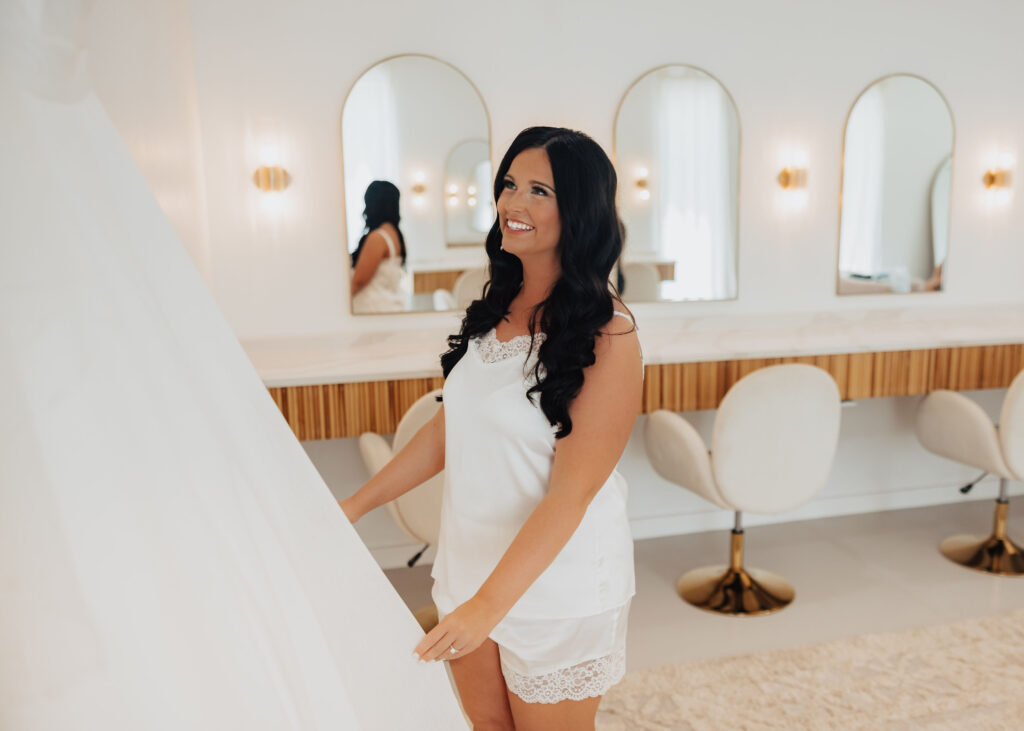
(534, 568)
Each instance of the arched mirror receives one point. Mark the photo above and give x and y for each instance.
(417, 127)
(895, 202)
(469, 200)
(677, 147)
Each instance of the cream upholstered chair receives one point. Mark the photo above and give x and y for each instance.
(642, 283)
(443, 300)
(772, 445)
(417, 512)
(469, 286)
(953, 426)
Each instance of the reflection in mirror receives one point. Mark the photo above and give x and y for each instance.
(469, 203)
(677, 141)
(895, 201)
(405, 122)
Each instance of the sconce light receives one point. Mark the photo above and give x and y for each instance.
(419, 179)
(453, 200)
(471, 202)
(470, 190)
(996, 178)
(643, 192)
(419, 187)
(790, 178)
(271, 178)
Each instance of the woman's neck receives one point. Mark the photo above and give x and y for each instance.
(539, 278)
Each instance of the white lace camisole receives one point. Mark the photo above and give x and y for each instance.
(499, 449)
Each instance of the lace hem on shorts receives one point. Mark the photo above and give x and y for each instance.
(586, 680)
(493, 350)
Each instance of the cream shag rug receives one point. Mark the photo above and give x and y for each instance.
(968, 675)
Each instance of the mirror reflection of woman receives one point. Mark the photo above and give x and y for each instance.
(379, 279)
(534, 568)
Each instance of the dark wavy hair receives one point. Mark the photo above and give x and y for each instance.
(581, 301)
(381, 206)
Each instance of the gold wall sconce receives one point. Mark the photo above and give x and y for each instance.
(643, 192)
(419, 188)
(791, 178)
(996, 178)
(271, 178)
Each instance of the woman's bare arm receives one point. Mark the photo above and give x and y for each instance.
(603, 415)
(369, 259)
(418, 461)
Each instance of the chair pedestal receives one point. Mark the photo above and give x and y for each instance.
(996, 554)
(734, 590)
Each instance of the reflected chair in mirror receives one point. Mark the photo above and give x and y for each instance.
(953, 426)
(443, 300)
(468, 287)
(641, 282)
(772, 445)
(418, 512)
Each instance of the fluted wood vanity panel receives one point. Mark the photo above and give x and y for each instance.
(336, 410)
(427, 282)
(349, 409)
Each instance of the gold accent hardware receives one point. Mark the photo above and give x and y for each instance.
(996, 554)
(273, 178)
(996, 178)
(734, 590)
(790, 178)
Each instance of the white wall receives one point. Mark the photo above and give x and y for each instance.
(140, 64)
(793, 67)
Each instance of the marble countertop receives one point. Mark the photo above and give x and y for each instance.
(396, 355)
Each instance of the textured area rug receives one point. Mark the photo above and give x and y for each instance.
(967, 675)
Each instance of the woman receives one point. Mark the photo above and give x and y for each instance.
(534, 569)
(378, 276)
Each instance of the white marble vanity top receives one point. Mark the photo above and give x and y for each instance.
(396, 355)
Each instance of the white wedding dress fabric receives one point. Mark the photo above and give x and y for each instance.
(169, 557)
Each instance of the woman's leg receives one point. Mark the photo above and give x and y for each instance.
(482, 688)
(562, 716)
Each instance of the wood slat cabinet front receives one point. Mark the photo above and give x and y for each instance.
(336, 410)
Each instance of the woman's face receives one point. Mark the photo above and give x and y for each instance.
(527, 208)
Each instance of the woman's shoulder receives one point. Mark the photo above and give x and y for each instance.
(621, 322)
(388, 235)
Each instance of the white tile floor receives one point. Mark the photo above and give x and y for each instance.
(853, 575)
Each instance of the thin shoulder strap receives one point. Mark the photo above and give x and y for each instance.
(390, 242)
(643, 360)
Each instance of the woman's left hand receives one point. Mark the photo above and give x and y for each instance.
(465, 629)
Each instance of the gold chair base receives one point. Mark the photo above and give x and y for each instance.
(992, 554)
(736, 592)
(427, 617)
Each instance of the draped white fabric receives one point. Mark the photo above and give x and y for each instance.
(169, 558)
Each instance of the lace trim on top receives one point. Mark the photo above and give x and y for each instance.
(586, 680)
(493, 350)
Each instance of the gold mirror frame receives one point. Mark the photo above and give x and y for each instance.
(347, 268)
(739, 168)
(842, 171)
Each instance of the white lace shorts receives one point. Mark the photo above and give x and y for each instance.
(552, 660)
